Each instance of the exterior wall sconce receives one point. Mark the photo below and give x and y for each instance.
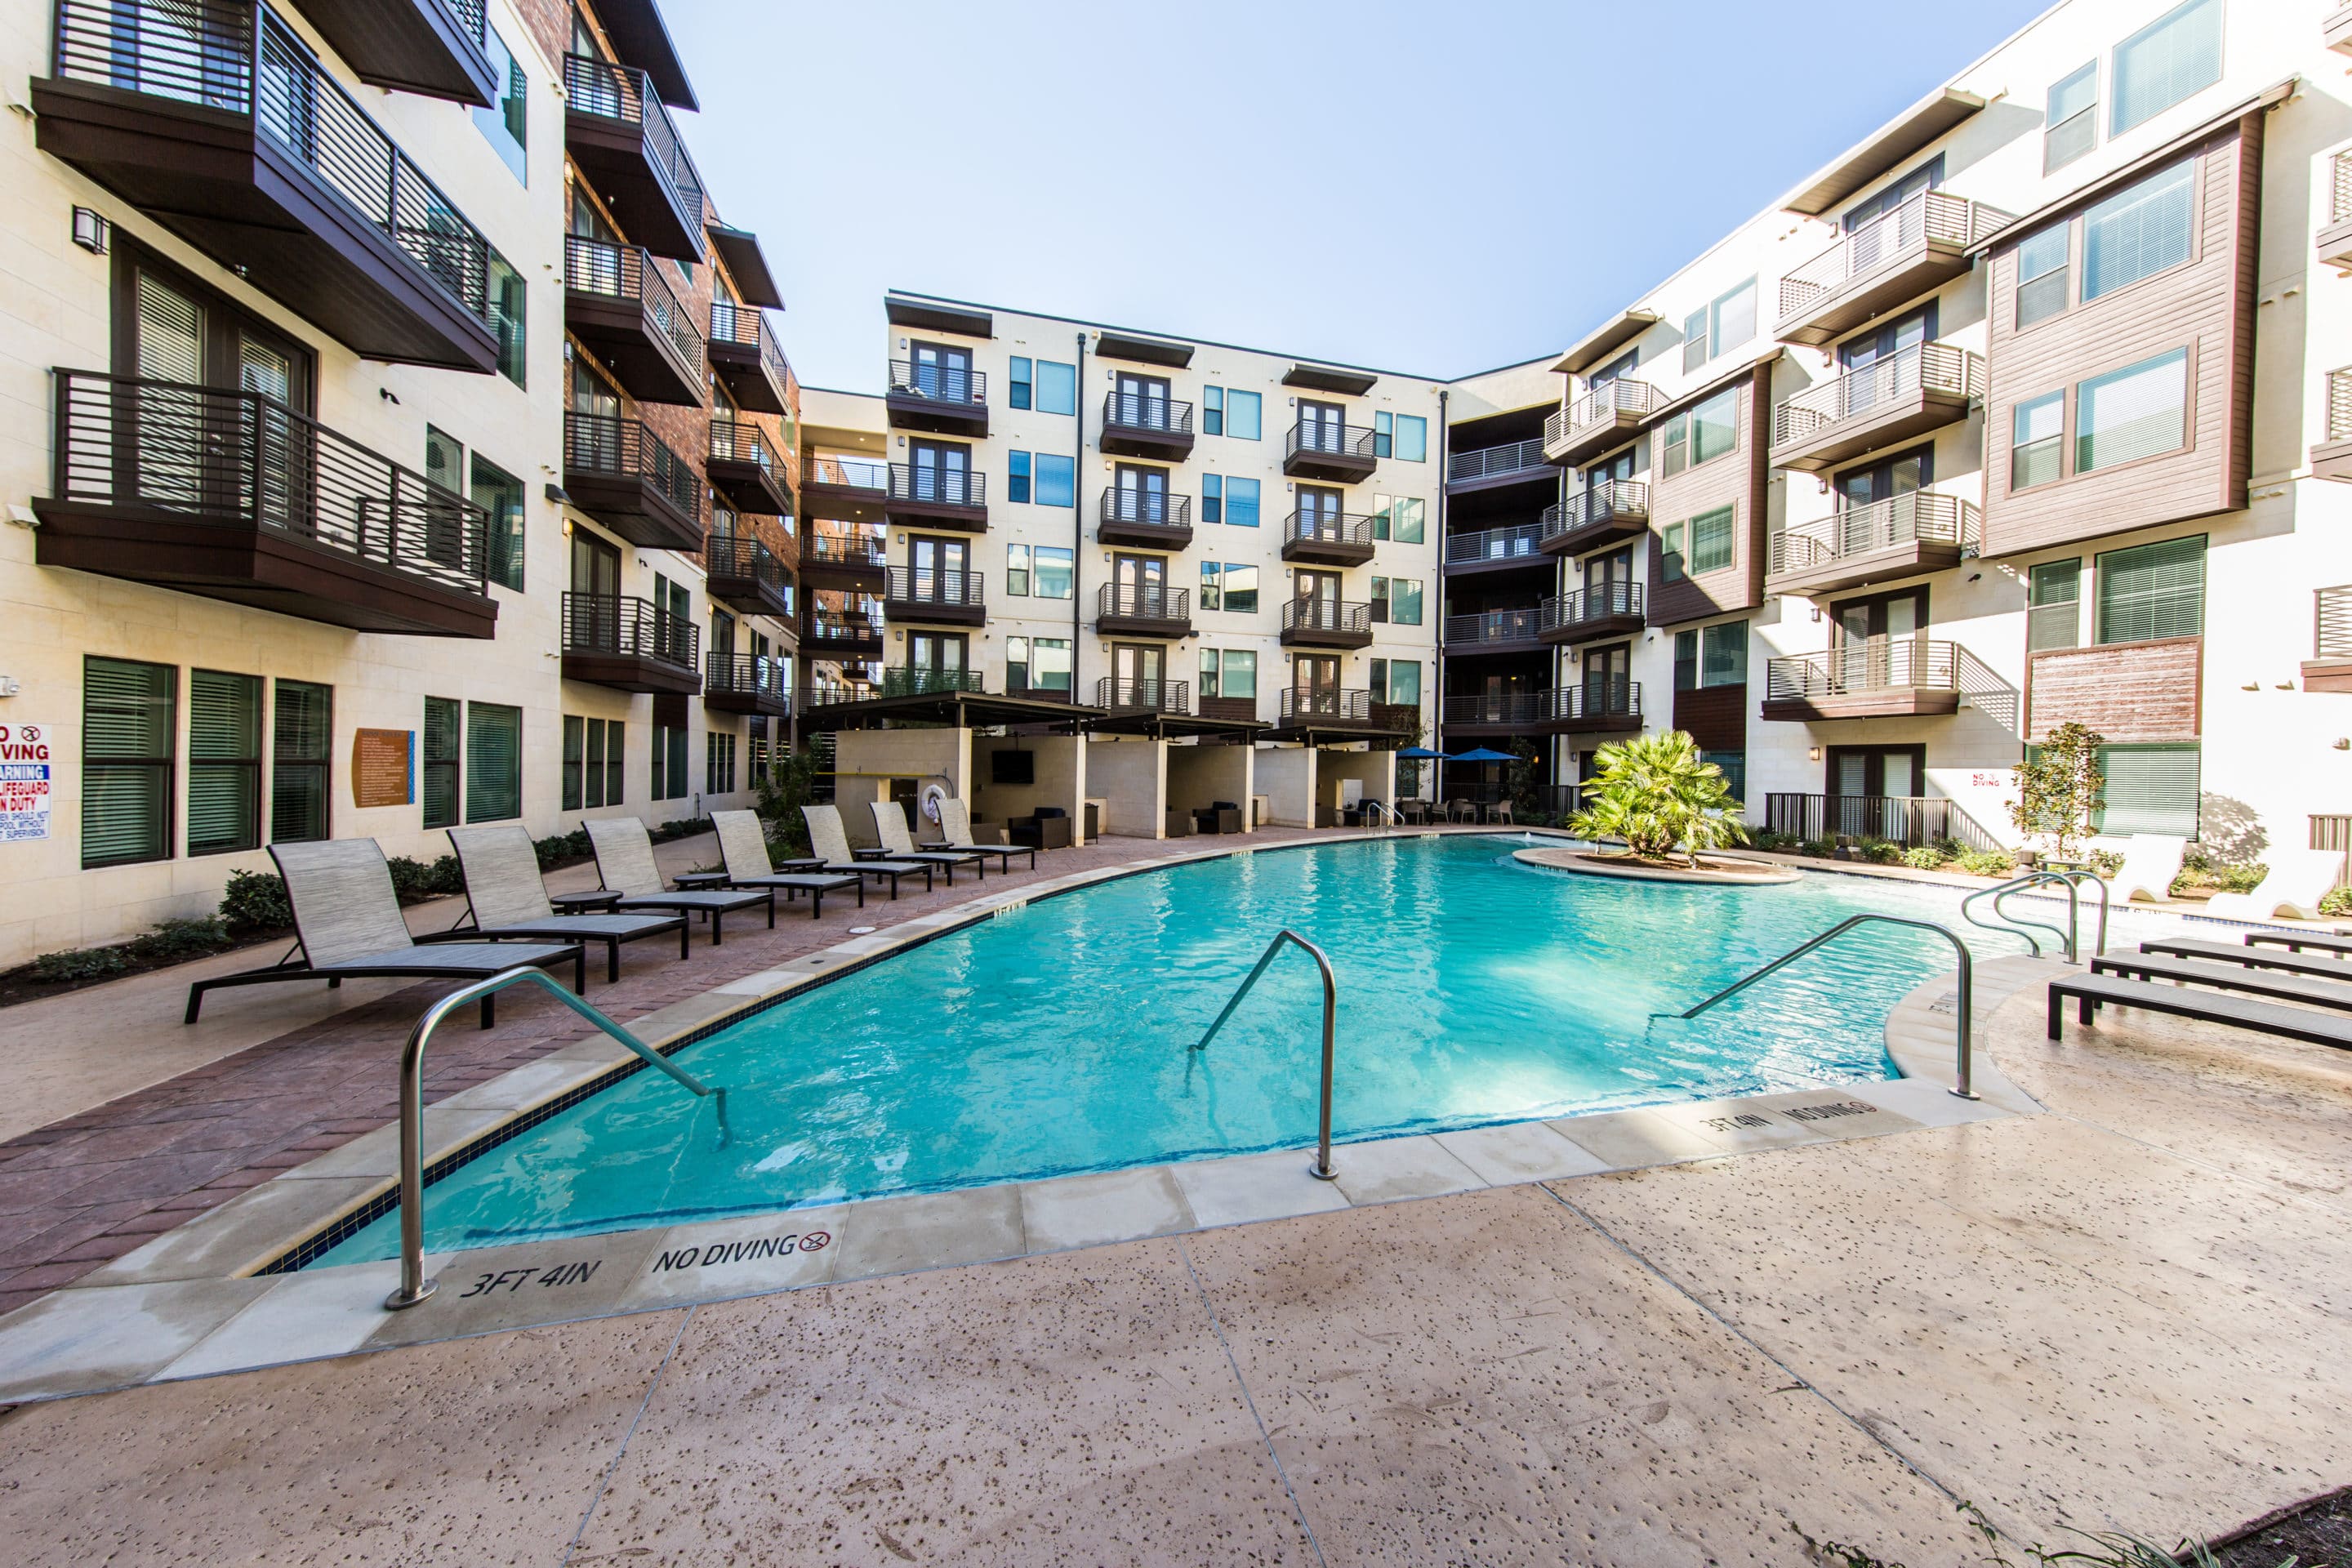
(1813, 754)
(91, 230)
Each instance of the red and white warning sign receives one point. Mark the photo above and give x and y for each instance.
(24, 782)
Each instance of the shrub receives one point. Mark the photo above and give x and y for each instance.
(255, 901)
(1949, 849)
(77, 963)
(2337, 903)
(1777, 842)
(1984, 862)
(685, 827)
(562, 848)
(412, 880)
(1656, 793)
(2106, 862)
(171, 941)
(2240, 879)
(1926, 857)
(1878, 852)
(1819, 848)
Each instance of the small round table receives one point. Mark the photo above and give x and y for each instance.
(584, 901)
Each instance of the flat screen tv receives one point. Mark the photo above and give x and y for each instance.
(1013, 767)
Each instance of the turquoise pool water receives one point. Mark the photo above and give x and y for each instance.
(1054, 1039)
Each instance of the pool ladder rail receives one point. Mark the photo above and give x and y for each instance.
(414, 1286)
(2071, 939)
(1321, 1170)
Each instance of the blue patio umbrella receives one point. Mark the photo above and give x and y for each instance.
(1483, 754)
(1420, 754)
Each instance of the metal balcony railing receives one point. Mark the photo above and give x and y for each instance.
(1143, 696)
(624, 93)
(1515, 543)
(621, 625)
(1910, 820)
(2332, 622)
(1930, 214)
(946, 588)
(1330, 439)
(1489, 462)
(1157, 508)
(914, 680)
(2340, 189)
(1514, 708)
(1316, 614)
(1343, 705)
(849, 474)
(1590, 606)
(1128, 602)
(201, 456)
(1875, 387)
(845, 550)
(1138, 411)
(943, 487)
(605, 444)
(742, 441)
(843, 626)
(742, 555)
(1601, 404)
(938, 383)
(1598, 699)
(1921, 517)
(747, 675)
(2339, 404)
(1493, 627)
(1878, 663)
(472, 18)
(1333, 528)
(1597, 503)
(747, 327)
(626, 272)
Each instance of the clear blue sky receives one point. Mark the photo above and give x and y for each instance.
(1436, 188)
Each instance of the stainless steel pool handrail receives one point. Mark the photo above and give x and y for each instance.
(414, 1286)
(1321, 1170)
(1964, 999)
(2072, 936)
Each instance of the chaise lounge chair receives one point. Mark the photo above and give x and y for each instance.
(506, 900)
(348, 926)
(743, 849)
(625, 861)
(2091, 992)
(2297, 880)
(955, 833)
(830, 841)
(2150, 864)
(897, 844)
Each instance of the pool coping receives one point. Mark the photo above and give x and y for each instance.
(217, 1295)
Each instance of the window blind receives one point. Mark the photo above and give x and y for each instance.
(2041, 275)
(2152, 591)
(2133, 412)
(2073, 129)
(2140, 230)
(126, 755)
(443, 733)
(2173, 57)
(493, 761)
(1710, 542)
(2054, 617)
(223, 761)
(299, 753)
(2150, 789)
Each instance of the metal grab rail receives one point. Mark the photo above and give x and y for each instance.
(1966, 985)
(1321, 1170)
(414, 1286)
(2072, 936)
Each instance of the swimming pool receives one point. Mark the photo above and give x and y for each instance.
(1054, 1039)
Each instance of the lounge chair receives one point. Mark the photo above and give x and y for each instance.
(2150, 864)
(830, 840)
(2252, 956)
(955, 833)
(897, 844)
(2091, 992)
(2280, 985)
(506, 900)
(2296, 941)
(348, 926)
(625, 861)
(2297, 880)
(1218, 816)
(743, 849)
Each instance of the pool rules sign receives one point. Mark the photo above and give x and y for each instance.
(25, 780)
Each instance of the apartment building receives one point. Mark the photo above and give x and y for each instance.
(395, 439)
(2019, 413)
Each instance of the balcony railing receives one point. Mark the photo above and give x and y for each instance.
(1318, 614)
(626, 94)
(844, 626)
(951, 385)
(1620, 395)
(2332, 625)
(626, 272)
(947, 588)
(748, 559)
(604, 443)
(1515, 543)
(1506, 708)
(1143, 696)
(914, 680)
(2340, 189)
(1334, 704)
(1494, 626)
(1930, 216)
(1911, 820)
(939, 486)
(747, 675)
(625, 626)
(1123, 601)
(1324, 438)
(861, 550)
(199, 455)
(1327, 528)
(1876, 388)
(1591, 606)
(1921, 517)
(746, 326)
(1155, 508)
(848, 474)
(1601, 502)
(1599, 701)
(1492, 462)
(1138, 411)
(742, 441)
(1878, 663)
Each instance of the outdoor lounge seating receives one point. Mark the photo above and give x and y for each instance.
(2284, 986)
(2091, 992)
(2297, 880)
(831, 842)
(955, 833)
(625, 861)
(2151, 861)
(1048, 827)
(2249, 954)
(897, 844)
(348, 926)
(506, 899)
(743, 850)
(1220, 816)
(2296, 941)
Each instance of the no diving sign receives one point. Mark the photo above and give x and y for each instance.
(24, 782)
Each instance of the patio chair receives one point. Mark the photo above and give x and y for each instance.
(2297, 880)
(955, 833)
(1460, 810)
(348, 926)
(897, 844)
(2150, 863)
(505, 899)
(1500, 811)
(830, 840)
(625, 861)
(743, 850)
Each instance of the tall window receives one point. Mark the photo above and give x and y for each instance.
(717, 762)
(1711, 656)
(2037, 441)
(500, 494)
(1212, 498)
(1055, 571)
(2133, 412)
(1242, 415)
(2071, 122)
(1057, 479)
(300, 746)
(1704, 433)
(445, 460)
(2053, 598)
(1212, 411)
(1402, 684)
(493, 761)
(2140, 230)
(1241, 501)
(1401, 518)
(507, 301)
(128, 711)
(2152, 591)
(445, 730)
(1710, 542)
(1023, 380)
(1016, 476)
(1411, 439)
(1057, 388)
(669, 780)
(1016, 571)
(506, 123)
(1229, 585)
(2174, 57)
(1719, 327)
(2042, 274)
(1396, 601)
(223, 761)
(2150, 789)
(594, 756)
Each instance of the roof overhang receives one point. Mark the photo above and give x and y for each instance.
(939, 316)
(1330, 378)
(1113, 344)
(739, 249)
(1598, 344)
(1898, 141)
(1752, 369)
(1160, 726)
(639, 36)
(959, 710)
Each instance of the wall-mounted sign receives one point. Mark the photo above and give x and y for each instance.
(384, 770)
(25, 780)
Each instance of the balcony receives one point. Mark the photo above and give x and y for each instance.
(1128, 696)
(1889, 261)
(615, 301)
(1325, 623)
(214, 119)
(1497, 713)
(1883, 677)
(746, 358)
(742, 573)
(1607, 513)
(746, 683)
(846, 634)
(2332, 459)
(842, 560)
(843, 491)
(932, 597)
(1333, 453)
(909, 681)
(1154, 613)
(619, 134)
(2335, 30)
(937, 497)
(1607, 416)
(2335, 237)
(1230, 710)
(1487, 468)
(430, 47)
(944, 399)
(1612, 609)
(1135, 425)
(1495, 550)
(1603, 705)
(745, 469)
(622, 474)
(2329, 667)
(1148, 520)
(1901, 536)
(1493, 631)
(228, 495)
(1343, 711)
(1896, 399)
(611, 639)
(1327, 538)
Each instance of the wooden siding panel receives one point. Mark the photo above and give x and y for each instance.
(2128, 692)
(1716, 716)
(1737, 478)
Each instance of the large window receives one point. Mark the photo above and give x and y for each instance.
(1711, 656)
(1037, 663)
(444, 730)
(719, 762)
(1396, 601)
(1229, 585)
(1710, 542)
(1405, 437)
(1707, 432)
(2132, 413)
(2152, 591)
(2171, 58)
(2042, 274)
(669, 780)
(493, 761)
(1057, 479)
(2149, 789)
(1243, 413)
(2070, 122)
(1719, 327)
(223, 761)
(2054, 599)
(2140, 230)
(1401, 518)
(594, 752)
(127, 737)
(500, 494)
(1057, 387)
(1229, 672)
(445, 460)
(2037, 441)
(506, 123)
(301, 747)
(507, 295)
(1055, 576)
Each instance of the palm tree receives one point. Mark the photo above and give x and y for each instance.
(1655, 794)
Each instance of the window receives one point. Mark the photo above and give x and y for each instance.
(127, 736)
(2132, 413)
(1411, 439)
(2041, 274)
(223, 762)
(1019, 397)
(1711, 656)
(1229, 585)
(1721, 327)
(500, 494)
(1212, 498)
(1383, 435)
(2053, 611)
(1404, 601)
(593, 758)
(2037, 441)
(2174, 57)
(300, 749)
(1057, 479)
(1016, 571)
(1704, 434)
(1408, 519)
(445, 460)
(1379, 605)
(719, 762)
(493, 761)
(2152, 591)
(1710, 542)
(506, 301)
(505, 124)
(1229, 672)
(1055, 576)
(1057, 387)
(1241, 501)
(1403, 686)
(670, 781)
(1212, 411)
(2071, 123)
(1016, 476)
(2139, 231)
(1037, 663)
(1670, 553)
(1242, 415)
(444, 737)
(2150, 789)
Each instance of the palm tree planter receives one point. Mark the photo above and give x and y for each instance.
(1672, 811)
